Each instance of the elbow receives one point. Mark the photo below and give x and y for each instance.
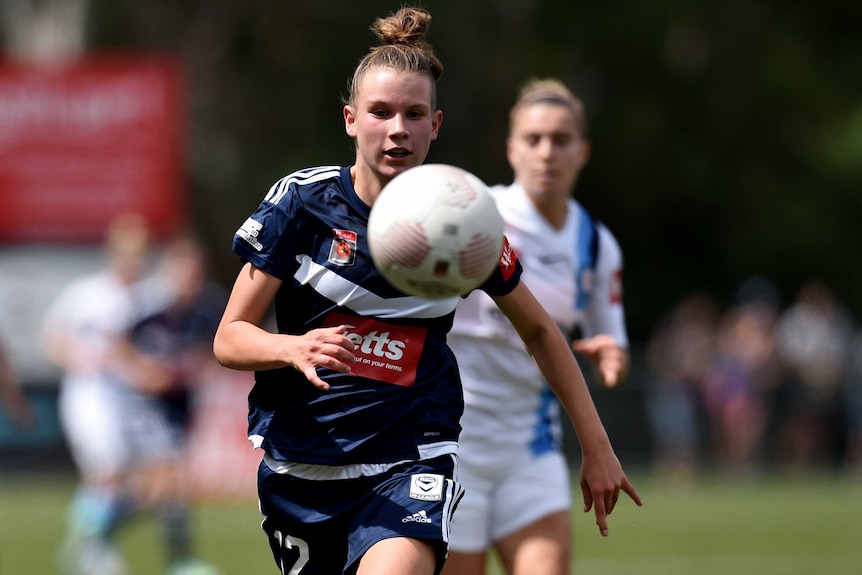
(221, 351)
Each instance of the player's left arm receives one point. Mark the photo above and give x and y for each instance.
(606, 342)
(602, 477)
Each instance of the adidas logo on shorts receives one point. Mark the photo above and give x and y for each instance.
(420, 517)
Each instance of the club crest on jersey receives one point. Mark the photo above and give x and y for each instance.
(426, 487)
(343, 249)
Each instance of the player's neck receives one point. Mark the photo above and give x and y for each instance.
(554, 211)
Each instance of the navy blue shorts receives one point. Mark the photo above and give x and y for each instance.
(325, 527)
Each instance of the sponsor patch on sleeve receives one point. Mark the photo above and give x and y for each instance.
(249, 231)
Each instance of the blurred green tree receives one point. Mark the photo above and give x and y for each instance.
(726, 134)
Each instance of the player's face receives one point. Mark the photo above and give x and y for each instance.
(394, 124)
(546, 150)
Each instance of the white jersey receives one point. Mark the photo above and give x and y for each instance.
(94, 312)
(507, 402)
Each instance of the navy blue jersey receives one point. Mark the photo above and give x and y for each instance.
(176, 333)
(404, 390)
(166, 329)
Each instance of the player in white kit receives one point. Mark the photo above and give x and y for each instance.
(82, 329)
(514, 472)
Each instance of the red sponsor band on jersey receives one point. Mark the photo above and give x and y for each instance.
(507, 259)
(384, 351)
(617, 287)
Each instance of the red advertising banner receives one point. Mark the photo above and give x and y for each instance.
(85, 141)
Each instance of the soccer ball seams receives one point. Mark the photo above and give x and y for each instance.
(403, 244)
(475, 255)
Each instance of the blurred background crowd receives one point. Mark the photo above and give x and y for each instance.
(757, 384)
(726, 158)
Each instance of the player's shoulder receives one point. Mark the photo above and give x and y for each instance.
(601, 227)
(500, 191)
(312, 175)
(304, 182)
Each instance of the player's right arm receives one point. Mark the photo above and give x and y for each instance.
(241, 343)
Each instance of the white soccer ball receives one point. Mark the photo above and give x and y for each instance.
(435, 232)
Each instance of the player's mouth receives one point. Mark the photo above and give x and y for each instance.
(397, 153)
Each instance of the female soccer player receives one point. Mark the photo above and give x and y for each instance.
(510, 462)
(357, 397)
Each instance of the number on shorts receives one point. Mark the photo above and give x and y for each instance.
(301, 547)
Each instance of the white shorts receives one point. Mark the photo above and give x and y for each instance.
(503, 498)
(90, 414)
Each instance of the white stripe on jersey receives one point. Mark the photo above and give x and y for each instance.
(316, 472)
(279, 189)
(347, 294)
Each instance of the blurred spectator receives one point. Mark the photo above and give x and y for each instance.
(814, 339)
(82, 330)
(12, 400)
(743, 370)
(678, 355)
(169, 348)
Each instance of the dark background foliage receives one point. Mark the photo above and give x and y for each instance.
(727, 136)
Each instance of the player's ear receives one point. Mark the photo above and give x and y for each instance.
(509, 151)
(349, 121)
(584, 153)
(436, 120)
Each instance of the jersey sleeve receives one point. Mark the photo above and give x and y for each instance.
(605, 313)
(267, 238)
(506, 275)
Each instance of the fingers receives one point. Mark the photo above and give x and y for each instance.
(595, 344)
(327, 348)
(611, 501)
(606, 354)
(602, 496)
(604, 506)
(610, 372)
(632, 492)
(601, 517)
(314, 379)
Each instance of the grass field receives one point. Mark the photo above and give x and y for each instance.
(804, 526)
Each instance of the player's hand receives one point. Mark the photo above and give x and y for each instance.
(611, 360)
(323, 347)
(602, 478)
